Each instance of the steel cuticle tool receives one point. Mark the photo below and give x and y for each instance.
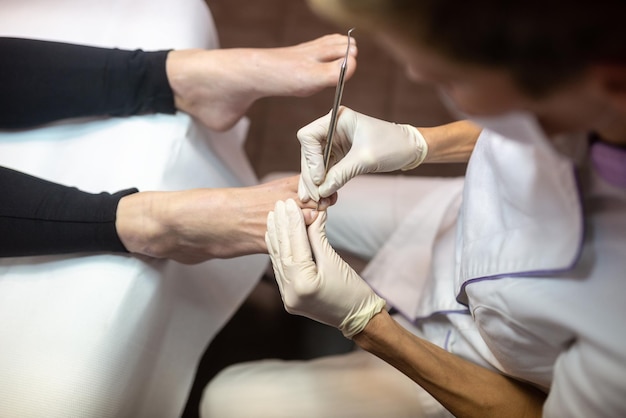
(334, 113)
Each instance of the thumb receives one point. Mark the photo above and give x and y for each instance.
(307, 189)
(338, 175)
(320, 246)
(311, 138)
(317, 229)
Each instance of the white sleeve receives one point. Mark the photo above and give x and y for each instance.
(589, 381)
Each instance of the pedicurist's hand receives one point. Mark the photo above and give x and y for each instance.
(192, 226)
(361, 144)
(313, 280)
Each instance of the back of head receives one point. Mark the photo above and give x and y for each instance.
(542, 44)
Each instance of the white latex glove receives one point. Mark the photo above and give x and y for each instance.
(313, 280)
(361, 144)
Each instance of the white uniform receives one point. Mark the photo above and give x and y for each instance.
(527, 280)
(115, 335)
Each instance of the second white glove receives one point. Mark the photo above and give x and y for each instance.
(313, 279)
(361, 145)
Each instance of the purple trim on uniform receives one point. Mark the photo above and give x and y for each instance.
(417, 320)
(518, 274)
(535, 273)
(610, 163)
(447, 341)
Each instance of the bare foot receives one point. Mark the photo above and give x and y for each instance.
(218, 86)
(192, 226)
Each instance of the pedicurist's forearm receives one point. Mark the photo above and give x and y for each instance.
(465, 389)
(48, 81)
(450, 143)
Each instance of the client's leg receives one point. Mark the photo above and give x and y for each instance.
(218, 86)
(371, 207)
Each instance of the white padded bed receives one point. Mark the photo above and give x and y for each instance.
(116, 335)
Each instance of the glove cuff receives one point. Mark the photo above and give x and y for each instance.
(357, 322)
(421, 147)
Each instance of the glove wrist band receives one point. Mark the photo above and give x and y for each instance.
(357, 322)
(421, 147)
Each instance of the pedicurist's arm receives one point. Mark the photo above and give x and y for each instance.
(465, 389)
(315, 282)
(450, 143)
